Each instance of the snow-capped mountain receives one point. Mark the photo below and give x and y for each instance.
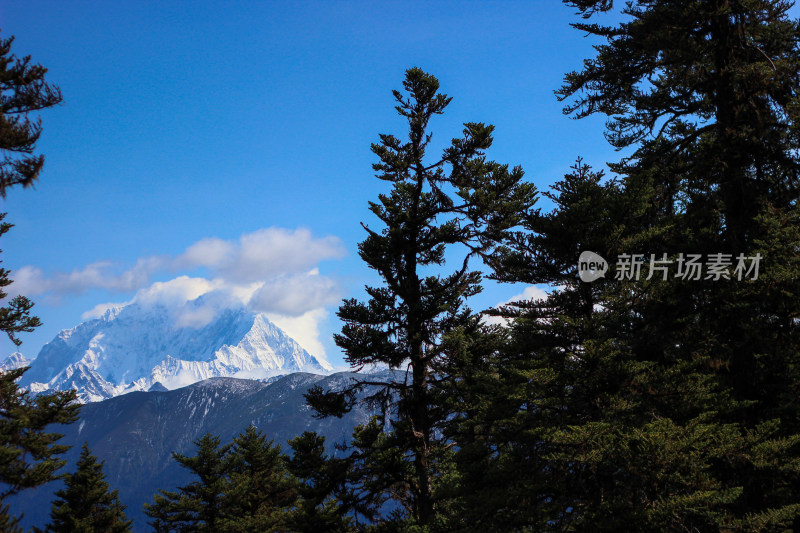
(137, 347)
(14, 361)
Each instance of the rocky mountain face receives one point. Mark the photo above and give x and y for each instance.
(138, 347)
(136, 433)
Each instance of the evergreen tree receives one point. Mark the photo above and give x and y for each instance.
(722, 170)
(85, 504)
(325, 499)
(15, 315)
(519, 388)
(243, 486)
(459, 199)
(660, 404)
(22, 89)
(708, 92)
(262, 492)
(28, 455)
(200, 505)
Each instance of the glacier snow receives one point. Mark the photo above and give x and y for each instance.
(136, 347)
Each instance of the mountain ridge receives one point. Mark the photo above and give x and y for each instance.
(136, 433)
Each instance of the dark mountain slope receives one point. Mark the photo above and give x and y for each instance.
(136, 433)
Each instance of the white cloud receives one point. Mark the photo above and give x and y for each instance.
(195, 317)
(100, 309)
(182, 297)
(263, 254)
(530, 293)
(31, 281)
(206, 252)
(274, 251)
(28, 280)
(295, 295)
(256, 257)
(175, 292)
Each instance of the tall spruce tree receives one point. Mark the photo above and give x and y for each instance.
(85, 504)
(15, 315)
(242, 486)
(28, 454)
(458, 199)
(708, 92)
(262, 492)
(663, 404)
(326, 500)
(711, 102)
(521, 387)
(200, 505)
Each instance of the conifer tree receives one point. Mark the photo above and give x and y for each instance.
(85, 504)
(200, 505)
(722, 166)
(708, 93)
(242, 486)
(28, 455)
(15, 315)
(458, 199)
(23, 89)
(326, 501)
(663, 404)
(262, 492)
(520, 387)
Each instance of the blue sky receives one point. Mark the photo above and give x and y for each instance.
(229, 141)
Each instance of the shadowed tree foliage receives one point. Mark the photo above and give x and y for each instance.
(86, 505)
(707, 92)
(242, 486)
(460, 202)
(659, 403)
(198, 506)
(262, 492)
(326, 501)
(28, 455)
(15, 315)
(23, 89)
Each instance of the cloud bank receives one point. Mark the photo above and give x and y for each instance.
(264, 254)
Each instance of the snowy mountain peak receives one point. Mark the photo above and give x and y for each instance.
(14, 361)
(136, 346)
